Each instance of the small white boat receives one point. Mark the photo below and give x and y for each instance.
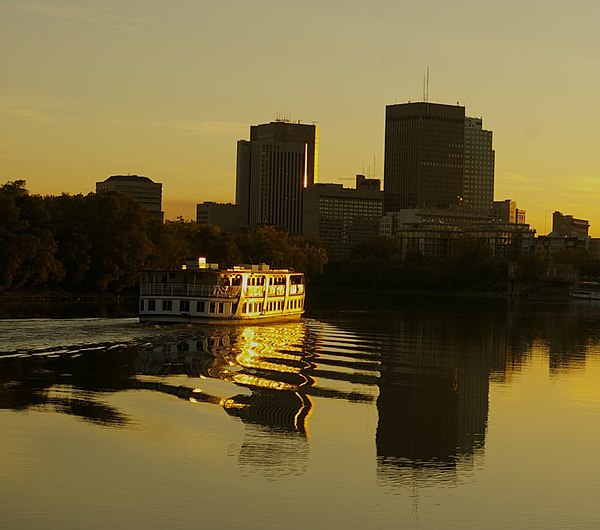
(204, 293)
(586, 291)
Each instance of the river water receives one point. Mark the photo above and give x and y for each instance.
(428, 414)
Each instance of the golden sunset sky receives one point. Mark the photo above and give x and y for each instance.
(90, 89)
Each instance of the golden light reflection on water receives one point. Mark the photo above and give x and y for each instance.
(269, 361)
(438, 409)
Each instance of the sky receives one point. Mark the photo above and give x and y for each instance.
(90, 89)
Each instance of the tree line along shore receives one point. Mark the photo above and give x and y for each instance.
(75, 246)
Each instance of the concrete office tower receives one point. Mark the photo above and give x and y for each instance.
(478, 182)
(424, 148)
(142, 189)
(273, 168)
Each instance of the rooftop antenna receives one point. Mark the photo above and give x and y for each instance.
(426, 86)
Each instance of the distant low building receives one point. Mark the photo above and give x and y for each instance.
(436, 239)
(343, 217)
(223, 215)
(567, 225)
(433, 231)
(553, 243)
(451, 216)
(142, 189)
(508, 212)
(504, 240)
(428, 238)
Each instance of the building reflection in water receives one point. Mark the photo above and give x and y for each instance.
(433, 396)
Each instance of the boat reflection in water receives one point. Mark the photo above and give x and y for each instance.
(269, 361)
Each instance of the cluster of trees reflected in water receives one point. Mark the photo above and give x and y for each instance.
(427, 374)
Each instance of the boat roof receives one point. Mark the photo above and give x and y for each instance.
(214, 268)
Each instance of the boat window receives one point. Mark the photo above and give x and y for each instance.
(199, 307)
(151, 305)
(213, 307)
(141, 305)
(184, 305)
(167, 305)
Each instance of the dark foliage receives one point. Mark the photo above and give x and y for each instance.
(100, 242)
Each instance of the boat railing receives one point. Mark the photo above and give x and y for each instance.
(183, 289)
(296, 289)
(254, 291)
(276, 290)
(279, 290)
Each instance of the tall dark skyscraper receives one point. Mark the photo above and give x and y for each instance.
(424, 150)
(273, 168)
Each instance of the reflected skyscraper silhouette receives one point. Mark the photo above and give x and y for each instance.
(433, 396)
(433, 393)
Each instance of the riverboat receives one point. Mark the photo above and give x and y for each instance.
(204, 293)
(586, 291)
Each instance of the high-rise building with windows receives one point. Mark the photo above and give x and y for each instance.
(424, 155)
(437, 158)
(273, 168)
(478, 182)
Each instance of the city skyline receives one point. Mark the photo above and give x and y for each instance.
(92, 90)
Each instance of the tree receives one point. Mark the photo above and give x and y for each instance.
(120, 247)
(266, 244)
(27, 247)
